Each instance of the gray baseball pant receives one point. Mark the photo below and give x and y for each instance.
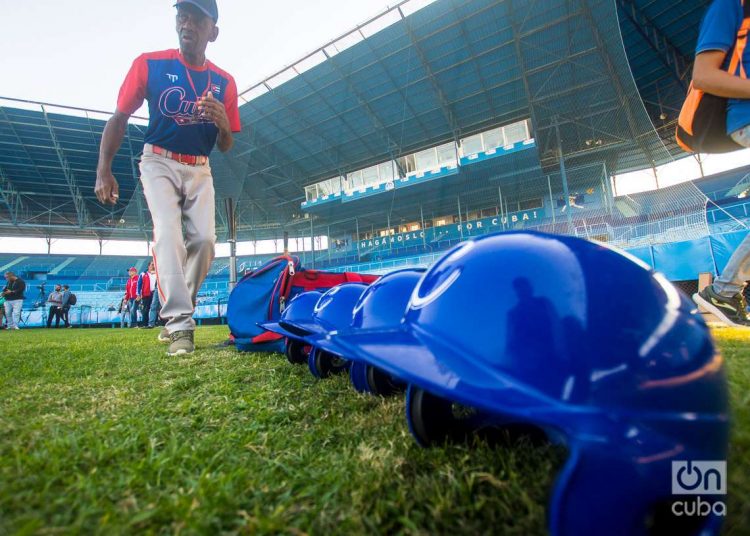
(177, 195)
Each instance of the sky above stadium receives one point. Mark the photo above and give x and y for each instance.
(77, 53)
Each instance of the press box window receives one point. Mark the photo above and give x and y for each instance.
(472, 145)
(530, 204)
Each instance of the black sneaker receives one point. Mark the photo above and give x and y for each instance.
(732, 311)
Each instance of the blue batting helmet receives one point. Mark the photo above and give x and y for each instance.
(333, 310)
(381, 305)
(296, 317)
(572, 336)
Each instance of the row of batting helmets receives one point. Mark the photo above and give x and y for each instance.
(547, 334)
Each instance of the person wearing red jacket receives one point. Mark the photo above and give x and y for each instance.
(146, 287)
(131, 294)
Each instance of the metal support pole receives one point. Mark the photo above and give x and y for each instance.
(502, 206)
(232, 228)
(312, 241)
(608, 187)
(286, 242)
(460, 221)
(388, 233)
(421, 226)
(329, 243)
(501, 210)
(356, 223)
(551, 200)
(605, 197)
(564, 174)
(700, 164)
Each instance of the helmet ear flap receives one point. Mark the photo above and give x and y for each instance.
(597, 493)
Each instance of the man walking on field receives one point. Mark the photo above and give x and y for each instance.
(192, 107)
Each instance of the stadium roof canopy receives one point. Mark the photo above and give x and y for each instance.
(601, 80)
(48, 159)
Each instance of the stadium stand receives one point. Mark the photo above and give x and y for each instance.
(99, 281)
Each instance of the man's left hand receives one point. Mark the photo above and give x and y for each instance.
(214, 110)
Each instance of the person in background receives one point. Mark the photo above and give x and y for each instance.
(55, 306)
(124, 312)
(2, 312)
(153, 315)
(65, 308)
(714, 52)
(131, 294)
(14, 294)
(146, 286)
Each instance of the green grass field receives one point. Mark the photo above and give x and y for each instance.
(100, 432)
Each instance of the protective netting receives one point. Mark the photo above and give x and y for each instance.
(669, 214)
(588, 121)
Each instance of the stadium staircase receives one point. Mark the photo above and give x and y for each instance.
(627, 207)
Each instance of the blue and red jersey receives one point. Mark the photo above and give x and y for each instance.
(172, 88)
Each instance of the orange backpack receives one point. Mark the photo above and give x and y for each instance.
(702, 126)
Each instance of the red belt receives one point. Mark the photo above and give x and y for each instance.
(187, 159)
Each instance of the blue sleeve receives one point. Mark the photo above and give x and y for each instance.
(140, 285)
(720, 26)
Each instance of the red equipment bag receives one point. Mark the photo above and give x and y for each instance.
(261, 296)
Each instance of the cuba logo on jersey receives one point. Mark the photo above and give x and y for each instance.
(172, 103)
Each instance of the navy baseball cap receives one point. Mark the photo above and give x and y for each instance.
(206, 6)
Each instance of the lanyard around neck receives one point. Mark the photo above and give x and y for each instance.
(192, 85)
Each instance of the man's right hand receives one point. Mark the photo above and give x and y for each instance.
(107, 190)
